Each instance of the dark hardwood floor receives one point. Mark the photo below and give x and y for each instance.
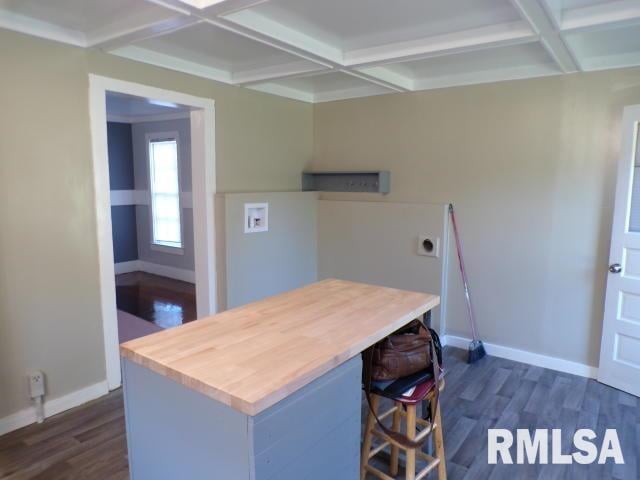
(160, 300)
(89, 442)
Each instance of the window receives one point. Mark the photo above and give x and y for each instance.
(165, 192)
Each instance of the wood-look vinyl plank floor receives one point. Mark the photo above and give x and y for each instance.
(89, 442)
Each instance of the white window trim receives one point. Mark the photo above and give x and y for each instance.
(157, 137)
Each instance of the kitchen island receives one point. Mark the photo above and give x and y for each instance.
(269, 390)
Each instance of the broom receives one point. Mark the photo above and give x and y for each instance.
(476, 349)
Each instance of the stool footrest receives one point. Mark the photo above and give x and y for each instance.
(388, 439)
(433, 463)
(378, 449)
(378, 473)
(387, 413)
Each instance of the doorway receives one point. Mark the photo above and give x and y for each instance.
(161, 291)
(149, 150)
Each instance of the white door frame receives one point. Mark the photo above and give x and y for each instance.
(203, 187)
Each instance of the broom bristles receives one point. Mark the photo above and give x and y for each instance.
(476, 351)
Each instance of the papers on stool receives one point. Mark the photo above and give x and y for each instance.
(409, 392)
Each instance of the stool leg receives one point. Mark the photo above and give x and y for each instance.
(438, 442)
(368, 437)
(395, 451)
(411, 434)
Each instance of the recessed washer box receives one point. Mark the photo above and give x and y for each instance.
(428, 245)
(256, 217)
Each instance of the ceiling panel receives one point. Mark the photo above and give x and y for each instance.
(317, 50)
(214, 47)
(502, 63)
(88, 16)
(572, 4)
(322, 87)
(531, 54)
(357, 24)
(612, 48)
(586, 14)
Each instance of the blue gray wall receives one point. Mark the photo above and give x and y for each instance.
(120, 148)
(121, 177)
(258, 265)
(125, 238)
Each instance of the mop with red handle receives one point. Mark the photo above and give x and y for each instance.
(476, 348)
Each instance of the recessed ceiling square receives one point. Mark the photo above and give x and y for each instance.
(494, 64)
(357, 24)
(611, 48)
(211, 46)
(89, 16)
(324, 87)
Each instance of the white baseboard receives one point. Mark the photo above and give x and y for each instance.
(127, 267)
(553, 363)
(156, 269)
(166, 271)
(54, 406)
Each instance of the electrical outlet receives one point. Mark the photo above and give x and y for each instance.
(36, 384)
(428, 246)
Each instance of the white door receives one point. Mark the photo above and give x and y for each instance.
(620, 349)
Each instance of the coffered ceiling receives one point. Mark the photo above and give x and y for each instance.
(322, 50)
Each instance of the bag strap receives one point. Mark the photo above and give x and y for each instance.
(367, 368)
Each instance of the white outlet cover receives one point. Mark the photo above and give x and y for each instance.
(435, 241)
(256, 217)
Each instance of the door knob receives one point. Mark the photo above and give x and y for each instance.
(615, 268)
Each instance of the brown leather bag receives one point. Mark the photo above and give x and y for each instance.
(407, 351)
(402, 353)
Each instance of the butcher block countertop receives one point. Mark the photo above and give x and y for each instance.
(253, 356)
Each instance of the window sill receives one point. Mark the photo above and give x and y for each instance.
(167, 249)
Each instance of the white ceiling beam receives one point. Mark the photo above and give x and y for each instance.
(284, 91)
(390, 76)
(487, 76)
(170, 62)
(120, 39)
(391, 85)
(542, 25)
(174, 5)
(223, 7)
(492, 36)
(227, 7)
(606, 15)
(277, 72)
(354, 92)
(254, 26)
(283, 38)
(38, 28)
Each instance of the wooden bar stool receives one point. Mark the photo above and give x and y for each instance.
(404, 408)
